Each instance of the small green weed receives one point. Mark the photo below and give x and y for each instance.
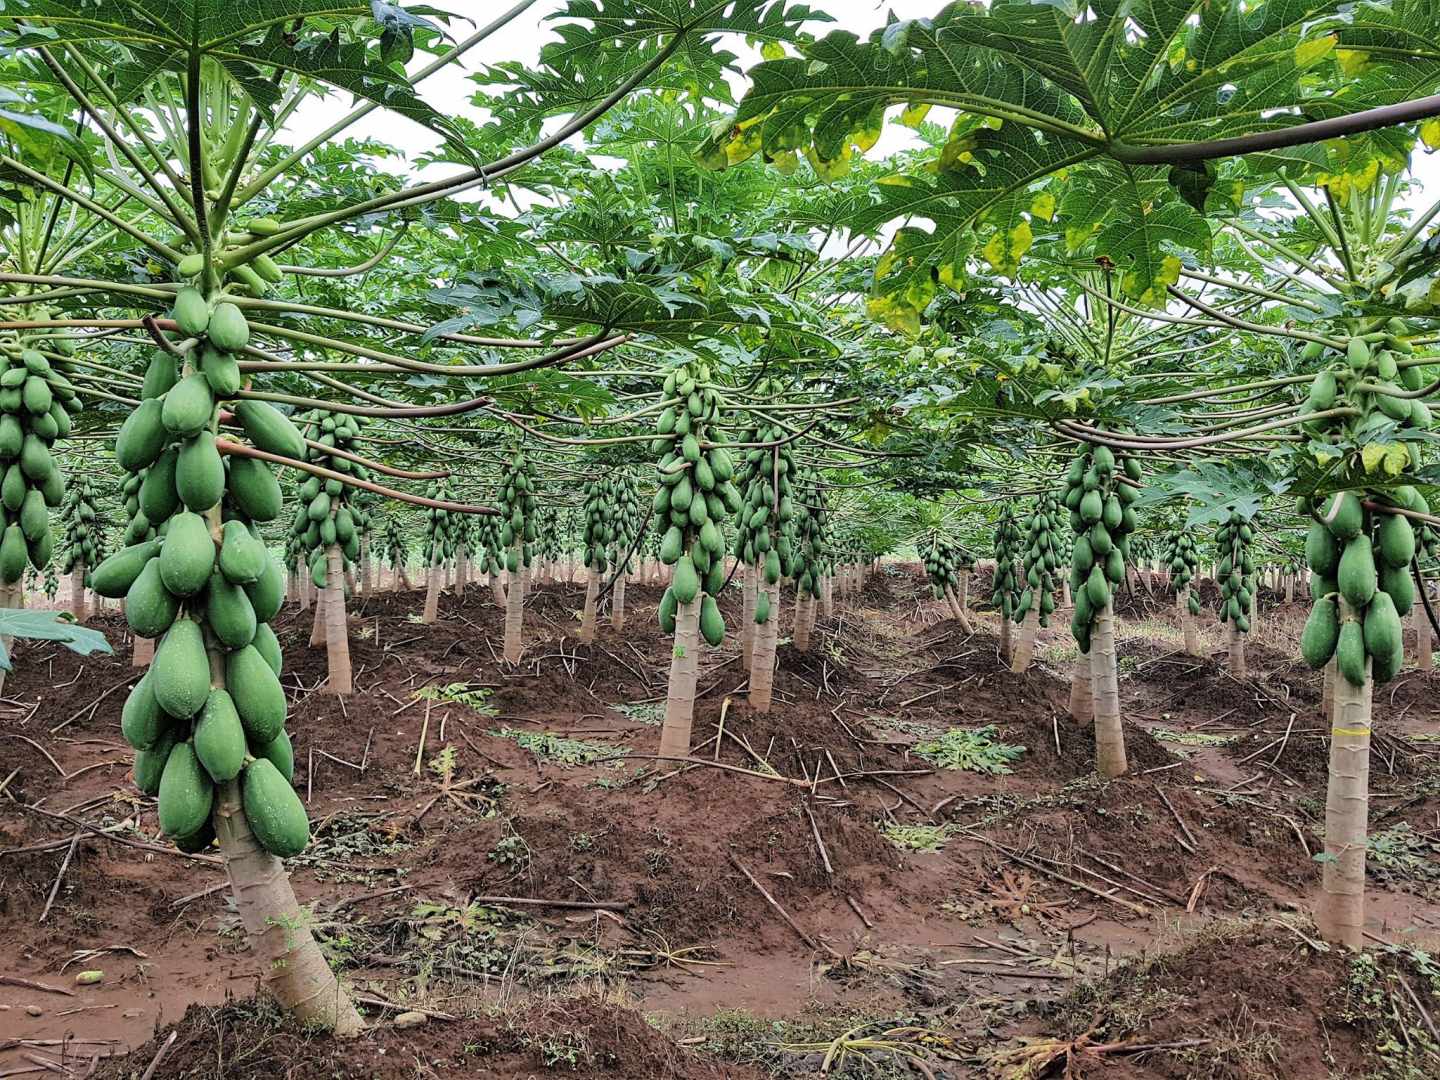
(972, 749)
(460, 693)
(1399, 852)
(562, 751)
(1192, 738)
(917, 837)
(651, 713)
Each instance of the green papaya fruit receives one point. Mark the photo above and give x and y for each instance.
(191, 312)
(181, 670)
(273, 810)
(150, 608)
(186, 793)
(1321, 633)
(1395, 540)
(188, 406)
(228, 613)
(219, 739)
(269, 429)
(114, 576)
(150, 764)
(712, 624)
(243, 558)
(268, 646)
(253, 488)
(1357, 577)
(142, 721)
(188, 555)
(228, 329)
(280, 753)
(199, 473)
(1350, 652)
(258, 696)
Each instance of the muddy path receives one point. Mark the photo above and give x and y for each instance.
(821, 867)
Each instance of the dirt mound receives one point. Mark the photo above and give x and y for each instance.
(1205, 1013)
(1075, 756)
(575, 1037)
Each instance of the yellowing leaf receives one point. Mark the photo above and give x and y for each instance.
(1043, 206)
(1372, 455)
(1308, 52)
(830, 170)
(772, 50)
(1430, 133)
(1003, 250)
(1352, 61)
(1397, 459)
(913, 114)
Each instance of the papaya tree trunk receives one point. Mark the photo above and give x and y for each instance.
(337, 630)
(587, 617)
(617, 596)
(77, 591)
(292, 967)
(827, 595)
(762, 663)
(1082, 694)
(302, 573)
(432, 594)
(1187, 623)
(515, 607)
(1004, 637)
(1236, 648)
(684, 672)
(317, 624)
(804, 608)
(1340, 912)
(142, 651)
(11, 596)
(1289, 588)
(462, 571)
(747, 619)
(1025, 647)
(1105, 691)
(1066, 600)
(404, 578)
(497, 589)
(364, 567)
(1424, 642)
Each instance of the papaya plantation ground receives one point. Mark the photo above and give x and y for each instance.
(907, 868)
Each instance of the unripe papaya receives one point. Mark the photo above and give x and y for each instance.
(199, 473)
(273, 810)
(186, 793)
(181, 670)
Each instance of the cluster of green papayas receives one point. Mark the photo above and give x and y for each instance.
(1360, 583)
(253, 275)
(393, 544)
(1181, 555)
(944, 561)
(84, 535)
(36, 403)
(1377, 373)
(695, 495)
(766, 525)
(330, 512)
(1099, 490)
(442, 529)
(1041, 559)
(518, 521)
(1235, 570)
(810, 560)
(613, 516)
(210, 709)
(1005, 594)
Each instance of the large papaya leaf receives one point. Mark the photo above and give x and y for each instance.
(1096, 93)
(250, 40)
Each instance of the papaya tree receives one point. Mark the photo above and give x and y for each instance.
(1181, 559)
(83, 541)
(1005, 592)
(1040, 558)
(695, 495)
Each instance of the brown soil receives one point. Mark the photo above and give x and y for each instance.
(886, 865)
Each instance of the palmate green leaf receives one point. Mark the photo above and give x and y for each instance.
(1083, 88)
(37, 137)
(249, 38)
(48, 626)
